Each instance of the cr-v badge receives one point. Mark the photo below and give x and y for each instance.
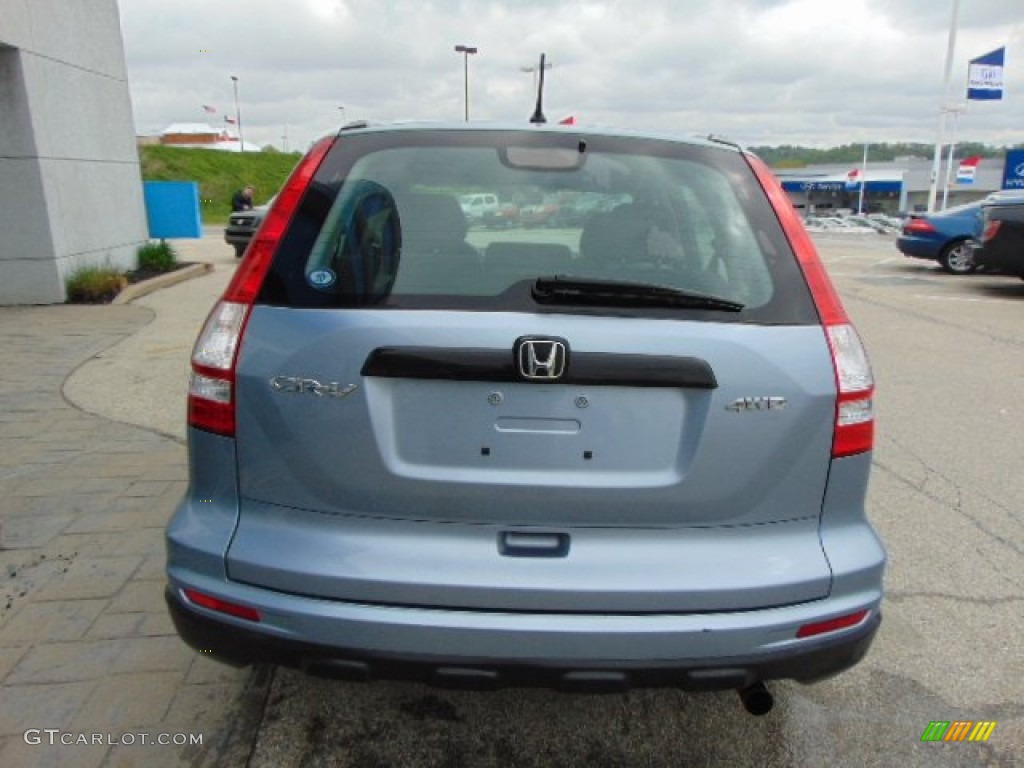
(299, 386)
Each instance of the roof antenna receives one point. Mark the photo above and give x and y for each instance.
(538, 114)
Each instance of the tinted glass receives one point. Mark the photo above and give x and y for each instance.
(470, 219)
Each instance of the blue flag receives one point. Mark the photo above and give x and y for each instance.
(985, 76)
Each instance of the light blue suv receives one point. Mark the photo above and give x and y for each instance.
(628, 450)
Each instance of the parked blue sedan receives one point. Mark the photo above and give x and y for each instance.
(944, 237)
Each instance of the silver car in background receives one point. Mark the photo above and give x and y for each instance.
(631, 449)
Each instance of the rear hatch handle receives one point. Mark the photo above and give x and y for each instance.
(529, 544)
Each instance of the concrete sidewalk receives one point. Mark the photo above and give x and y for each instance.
(86, 646)
(149, 369)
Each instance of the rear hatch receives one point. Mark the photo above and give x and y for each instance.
(421, 422)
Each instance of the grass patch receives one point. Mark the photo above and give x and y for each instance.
(220, 174)
(94, 285)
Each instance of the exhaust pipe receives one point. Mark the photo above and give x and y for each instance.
(756, 698)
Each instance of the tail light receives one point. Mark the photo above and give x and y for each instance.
(211, 387)
(991, 228)
(211, 391)
(855, 415)
(855, 385)
(918, 227)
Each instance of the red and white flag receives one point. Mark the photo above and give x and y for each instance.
(570, 120)
(968, 167)
(208, 109)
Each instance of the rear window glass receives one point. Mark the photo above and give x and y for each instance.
(471, 219)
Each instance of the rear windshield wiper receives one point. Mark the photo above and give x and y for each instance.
(561, 289)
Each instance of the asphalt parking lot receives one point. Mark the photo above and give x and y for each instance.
(946, 497)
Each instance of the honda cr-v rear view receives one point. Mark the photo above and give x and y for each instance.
(625, 443)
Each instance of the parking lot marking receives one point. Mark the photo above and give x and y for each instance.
(975, 299)
(868, 274)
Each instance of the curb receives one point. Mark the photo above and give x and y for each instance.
(138, 290)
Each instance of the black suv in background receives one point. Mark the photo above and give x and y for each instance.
(242, 225)
(1001, 246)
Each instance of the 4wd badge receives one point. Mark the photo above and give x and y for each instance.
(763, 403)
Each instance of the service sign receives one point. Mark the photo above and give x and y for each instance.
(1013, 171)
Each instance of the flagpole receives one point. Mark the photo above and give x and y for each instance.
(937, 159)
(238, 114)
(949, 158)
(863, 180)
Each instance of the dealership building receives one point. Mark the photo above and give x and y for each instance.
(900, 185)
(70, 183)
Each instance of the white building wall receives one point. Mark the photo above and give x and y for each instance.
(70, 183)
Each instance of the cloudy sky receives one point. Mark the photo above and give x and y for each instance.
(811, 72)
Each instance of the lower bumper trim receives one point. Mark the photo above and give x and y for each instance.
(240, 646)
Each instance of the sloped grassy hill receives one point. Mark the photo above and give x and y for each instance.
(219, 174)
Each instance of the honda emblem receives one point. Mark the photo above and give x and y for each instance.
(541, 359)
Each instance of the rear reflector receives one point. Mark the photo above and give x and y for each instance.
(822, 627)
(222, 606)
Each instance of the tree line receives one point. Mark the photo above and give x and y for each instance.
(788, 156)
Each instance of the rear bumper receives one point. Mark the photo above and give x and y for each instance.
(469, 649)
(917, 248)
(1000, 258)
(238, 237)
(408, 633)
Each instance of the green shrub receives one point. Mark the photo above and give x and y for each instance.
(94, 285)
(157, 257)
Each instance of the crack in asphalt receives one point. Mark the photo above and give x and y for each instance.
(956, 506)
(929, 470)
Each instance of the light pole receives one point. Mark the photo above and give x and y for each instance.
(933, 187)
(466, 51)
(342, 115)
(238, 116)
(534, 70)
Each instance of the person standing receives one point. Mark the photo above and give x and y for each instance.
(242, 199)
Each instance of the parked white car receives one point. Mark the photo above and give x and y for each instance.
(479, 205)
